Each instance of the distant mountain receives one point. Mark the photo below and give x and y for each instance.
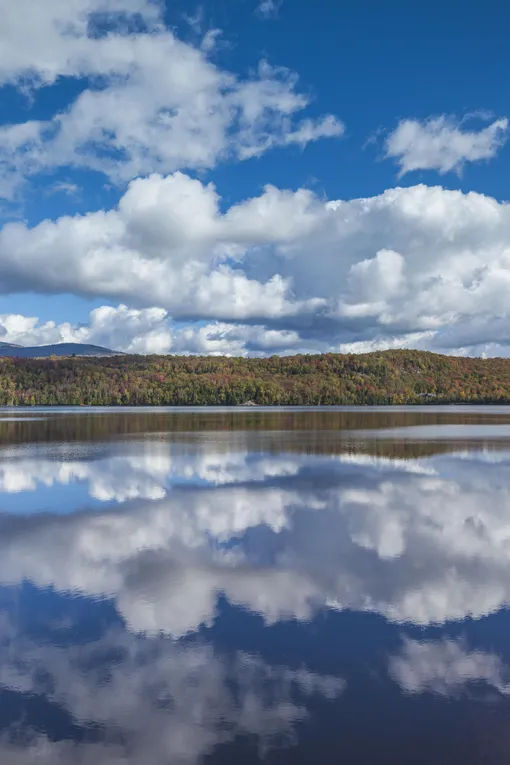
(58, 349)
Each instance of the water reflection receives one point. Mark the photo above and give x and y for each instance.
(120, 473)
(423, 541)
(447, 667)
(168, 598)
(134, 700)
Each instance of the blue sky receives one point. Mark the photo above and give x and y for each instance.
(183, 178)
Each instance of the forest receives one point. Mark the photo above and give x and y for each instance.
(387, 377)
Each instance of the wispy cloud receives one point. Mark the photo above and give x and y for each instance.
(269, 9)
(442, 144)
(63, 187)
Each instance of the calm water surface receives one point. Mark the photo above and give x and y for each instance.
(244, 586)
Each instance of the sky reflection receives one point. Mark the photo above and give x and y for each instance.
(169, 601)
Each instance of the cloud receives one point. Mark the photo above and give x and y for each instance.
(420, 266)
(151, 331)
(166, 242)
(269, 9)
(447, 668)
(442, 144)
(41, 43)
(283, 271)
(149, 102)
(64, 187)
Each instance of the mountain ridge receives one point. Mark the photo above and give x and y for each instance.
(55, 349)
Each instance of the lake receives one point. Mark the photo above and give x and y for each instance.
(238, 586)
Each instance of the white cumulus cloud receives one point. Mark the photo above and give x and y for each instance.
(284, 270)
(150, 102)
(151, 331)
(443, 144)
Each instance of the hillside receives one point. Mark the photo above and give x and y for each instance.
(57, 349)
(390, 377)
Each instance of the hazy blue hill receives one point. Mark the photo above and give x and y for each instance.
(60, 349)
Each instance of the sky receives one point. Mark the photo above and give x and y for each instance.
(255, 177)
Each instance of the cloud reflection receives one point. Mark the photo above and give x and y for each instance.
(148, 473)
(422, 541)
(447, 668)
(159, 700)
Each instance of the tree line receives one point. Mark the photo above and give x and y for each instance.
(388, 377)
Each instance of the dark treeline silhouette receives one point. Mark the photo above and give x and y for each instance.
(389, 377)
